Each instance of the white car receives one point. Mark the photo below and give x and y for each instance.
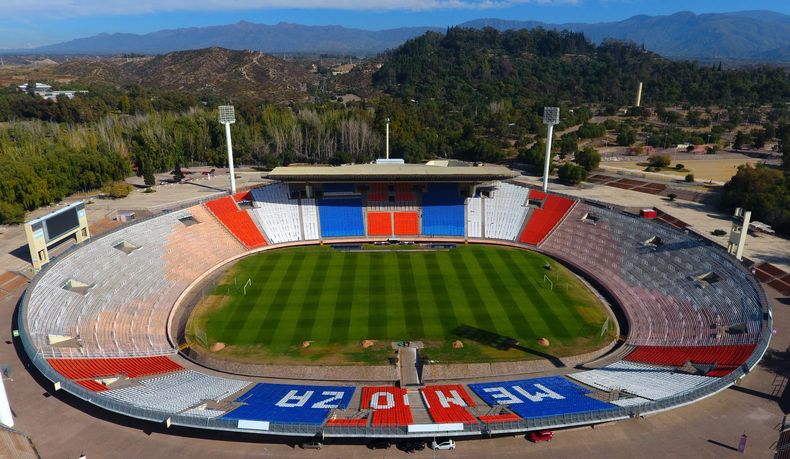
(446, 444)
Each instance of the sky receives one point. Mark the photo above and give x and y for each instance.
(30, 23)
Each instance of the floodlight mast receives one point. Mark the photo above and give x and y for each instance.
(227, 116)
(551, 116)
(388, 138)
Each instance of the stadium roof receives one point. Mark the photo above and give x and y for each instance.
(392, 172)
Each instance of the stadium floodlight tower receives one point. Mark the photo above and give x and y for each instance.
(227, 116)
(388, 138)
(551, 117)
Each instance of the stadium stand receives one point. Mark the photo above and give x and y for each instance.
(237, 221)
(378, 192)
(338, 188)
(379, 224)
(310, 219)
(406, 223)
(358, 422)
(539, 397)
(474, 217)
(277, 214)
(507, 417)
(290, 403)
(504, 212)
(448, 403)
(390, 405)
(134, 367)
(657, 283)
(176, 392)
(442, 210)
(543, 220)
(404, 192)
(341, 217)
(242, 196)
(644, 381)
(724, 358)
(124, 311)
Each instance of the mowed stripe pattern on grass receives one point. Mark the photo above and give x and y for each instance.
(337, 297)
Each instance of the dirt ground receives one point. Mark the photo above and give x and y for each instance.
(718, 170)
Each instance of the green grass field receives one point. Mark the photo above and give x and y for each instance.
(335, 299)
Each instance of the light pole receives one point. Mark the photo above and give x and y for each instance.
(227, 116)
(388, 138)
(551, 117)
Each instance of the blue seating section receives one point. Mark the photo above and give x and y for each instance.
(341, 217)
(290, 403)
(539, 397)
(339, 188)
(442, 210)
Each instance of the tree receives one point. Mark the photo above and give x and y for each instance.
(11, 213)
(763, 190)
(177, 174)
(571, 174)
(659, 161)
(148, 173)
(568, 144)
(589, 158)
(689, 178)
(626, 137)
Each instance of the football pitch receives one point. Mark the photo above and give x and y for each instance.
(481, 295)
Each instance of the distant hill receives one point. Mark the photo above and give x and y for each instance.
(213, 71)
(745, 35)
(279, 38)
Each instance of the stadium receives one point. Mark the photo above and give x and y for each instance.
(672, 317)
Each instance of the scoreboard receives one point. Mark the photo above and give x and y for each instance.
(55, 227)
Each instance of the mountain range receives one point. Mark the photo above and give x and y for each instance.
(746, 35)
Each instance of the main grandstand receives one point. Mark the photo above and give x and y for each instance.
(98, 321)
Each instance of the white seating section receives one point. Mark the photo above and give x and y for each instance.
(652, 383)
(504, 212)
(177, 392)
(276, 213)
(474, 217)
(310, 219)
(126, 310)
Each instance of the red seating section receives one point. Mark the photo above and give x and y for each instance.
(242, 196)
(448, 403)
(508, 417)
(236, 221)
(542, 221)
(403, 192)
(536, 195)
(390, 405)
(378, 192)
(379, 224)
(92, 385)
(726, 358)
(133, 367)
(363, 422)
(407, 224)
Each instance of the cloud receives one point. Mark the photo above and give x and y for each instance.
(74, 8)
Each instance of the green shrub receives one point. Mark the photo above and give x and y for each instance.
(117, 190)
(690, 178)
(571, 174)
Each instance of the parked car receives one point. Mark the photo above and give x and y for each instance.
(311, 445)
(442, 445)
(379, 444)
(540, 435)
